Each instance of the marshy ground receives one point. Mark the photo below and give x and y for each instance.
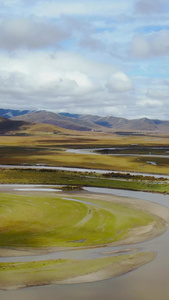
(32, 223)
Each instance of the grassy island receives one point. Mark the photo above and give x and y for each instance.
(38, 224)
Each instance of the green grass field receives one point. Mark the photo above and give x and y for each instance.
(58, 177)
(34, 222)
(56, 222)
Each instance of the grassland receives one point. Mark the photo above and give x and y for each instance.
(40, 222)
(59, 157)
(40, 147)
(133, 150)
(58, 177)
(18, 275)
(37, 222)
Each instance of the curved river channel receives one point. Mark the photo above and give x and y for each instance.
(145, 283)
(149, 282)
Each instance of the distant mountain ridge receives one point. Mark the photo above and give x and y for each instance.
(118, 123)
(84, 122)
(62, 121)
(9, 113)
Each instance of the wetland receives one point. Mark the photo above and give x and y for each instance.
(98, 221)
(70, 232)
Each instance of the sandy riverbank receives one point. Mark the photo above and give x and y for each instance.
(141, 233)
(70, 272)
(115, 269)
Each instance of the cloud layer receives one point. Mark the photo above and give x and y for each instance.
(98, 57)
(151, 45)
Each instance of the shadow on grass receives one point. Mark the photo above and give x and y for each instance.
(17, 237)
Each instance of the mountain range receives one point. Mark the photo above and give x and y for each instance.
(83, 122)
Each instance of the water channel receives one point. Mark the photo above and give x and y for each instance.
(145, 283)
(71, 169)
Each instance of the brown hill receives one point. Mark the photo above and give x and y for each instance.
(94, 122)
(14, 127)
(6, 125)
(59, 120)
(115, 123)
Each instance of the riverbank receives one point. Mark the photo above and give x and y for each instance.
(18, 275)
(116, 268)
(153, 229)
(125, 209)
(91, 179)
(21, 275)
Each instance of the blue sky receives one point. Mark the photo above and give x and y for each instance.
(87, 56)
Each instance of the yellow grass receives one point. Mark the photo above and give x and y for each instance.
(48, 149)
(80, 138)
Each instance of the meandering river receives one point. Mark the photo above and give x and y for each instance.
(145, 283)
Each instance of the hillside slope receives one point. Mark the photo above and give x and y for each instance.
(14, 127)
(7, 125)
(84, 122)
(59, 120)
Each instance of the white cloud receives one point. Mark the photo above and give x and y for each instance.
(150, 6)
(140, 47)
(65, 81)
(47, 76)
(150, 102)
(73, 56)
(119, 82)
(30, 33)
(87, 7)
(158, 93)
(154, 44)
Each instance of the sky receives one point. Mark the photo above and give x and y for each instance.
(86, 56)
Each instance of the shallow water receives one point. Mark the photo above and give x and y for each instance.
(145, 283)
(95, 151)
(101, 171)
